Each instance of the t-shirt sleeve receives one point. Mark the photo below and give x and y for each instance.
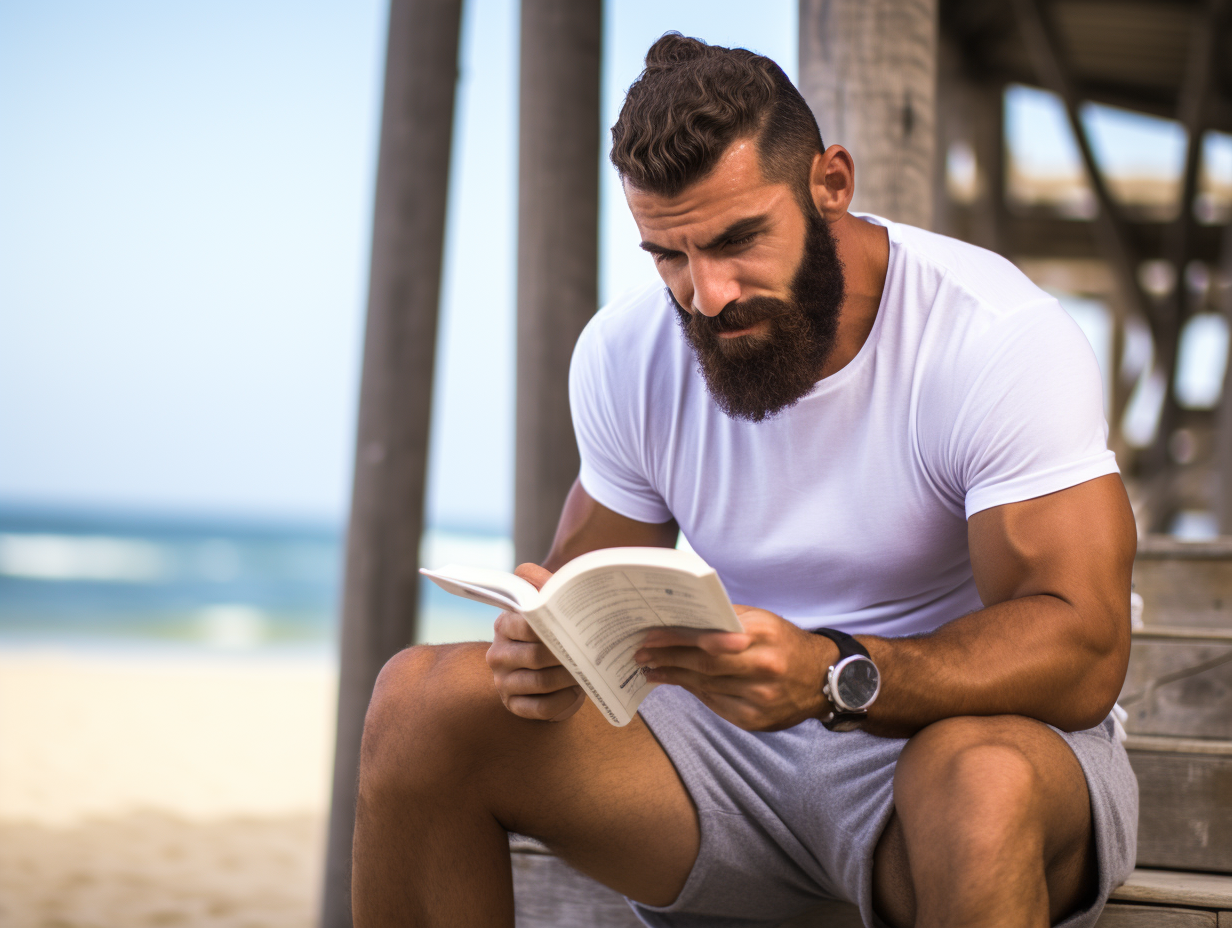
(609, 434)
(1027, 417)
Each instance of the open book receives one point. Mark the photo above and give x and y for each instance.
(594, 612)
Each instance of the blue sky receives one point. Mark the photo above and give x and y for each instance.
(185, 208)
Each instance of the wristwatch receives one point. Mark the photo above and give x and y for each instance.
(852, 682)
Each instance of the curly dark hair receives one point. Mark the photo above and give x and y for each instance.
(693, 100)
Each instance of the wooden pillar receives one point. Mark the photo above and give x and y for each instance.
(1193, 105)
(381, 591)
(1223, 416)
(558, 249)
(989, 219)
(969, 110)
(868, 69)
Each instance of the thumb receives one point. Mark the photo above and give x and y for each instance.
(533, 574)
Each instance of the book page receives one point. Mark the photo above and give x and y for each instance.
(497, 588)
(608, 612)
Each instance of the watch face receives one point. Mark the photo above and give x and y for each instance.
(858, 682)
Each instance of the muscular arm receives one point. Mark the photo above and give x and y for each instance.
(585, 525)
(1052, 642)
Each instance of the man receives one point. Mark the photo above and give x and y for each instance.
(863, 427)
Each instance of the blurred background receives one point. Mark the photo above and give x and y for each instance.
(186, 208)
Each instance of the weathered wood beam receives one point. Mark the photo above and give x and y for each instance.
(1114, 238)
(1223, 420)
(381, 593)
(1040, 232)
(558, 250)
(1193, 104)
(868, 71)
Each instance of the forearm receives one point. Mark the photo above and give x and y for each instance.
(1035, 656)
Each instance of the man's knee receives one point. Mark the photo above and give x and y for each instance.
(424, 716)
(973, 776)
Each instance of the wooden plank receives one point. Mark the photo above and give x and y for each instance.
(1167, 548)
(1185, 810)
(1225, 920)
(1180, 633)
(1178, 745)
(1150, 916)
(1179, 687)
(1039, 232)
(381, 593)
(558, 250)
(548, 893)
(1185, 584)
(1170, 887)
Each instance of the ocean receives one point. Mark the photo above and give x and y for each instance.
(97, 580)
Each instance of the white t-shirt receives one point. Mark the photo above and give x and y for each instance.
(974, 389)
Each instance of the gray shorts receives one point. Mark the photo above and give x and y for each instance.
(790, 819)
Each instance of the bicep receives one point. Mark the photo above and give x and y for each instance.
(1077, 545)
(587, 525)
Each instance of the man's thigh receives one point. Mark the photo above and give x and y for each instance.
(592, 792)
(962, 787)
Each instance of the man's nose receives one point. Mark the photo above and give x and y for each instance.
(713, 288)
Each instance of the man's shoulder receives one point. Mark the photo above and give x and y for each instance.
(976, 316)
(989, 280)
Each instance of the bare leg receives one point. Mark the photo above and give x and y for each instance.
(446, 770)
(992, 827)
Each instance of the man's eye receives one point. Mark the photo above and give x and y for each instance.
(662, 256)
(742, 240)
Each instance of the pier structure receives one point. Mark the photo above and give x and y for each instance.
(916, 89)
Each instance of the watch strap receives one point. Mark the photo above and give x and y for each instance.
(847, 646)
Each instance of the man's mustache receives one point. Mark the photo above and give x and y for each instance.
(736, 316)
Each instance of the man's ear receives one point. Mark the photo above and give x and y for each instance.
(832, 181)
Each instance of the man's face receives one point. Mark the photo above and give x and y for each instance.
(756, 280)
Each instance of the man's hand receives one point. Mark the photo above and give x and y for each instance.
(531, 682)
(766, 679)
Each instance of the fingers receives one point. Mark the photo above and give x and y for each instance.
(554, 707)
(699, 684)
(526, 682)
(712, 642)
(530, 680)
(513, 626)
(696, 659)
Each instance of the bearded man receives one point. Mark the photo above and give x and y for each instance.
(869, 431)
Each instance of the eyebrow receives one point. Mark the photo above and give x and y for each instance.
(738, 229)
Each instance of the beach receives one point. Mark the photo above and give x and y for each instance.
(162, 789)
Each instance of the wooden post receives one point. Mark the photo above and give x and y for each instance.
(381, 592)
(1223, 417)
(868, 69)
(1110, 228)
(988, 125)
(1193, 104)
(969, 110)
(558, 250)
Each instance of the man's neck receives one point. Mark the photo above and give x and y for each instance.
(864, 249)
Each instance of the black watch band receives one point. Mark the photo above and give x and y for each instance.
(847, 645)
(839, 719)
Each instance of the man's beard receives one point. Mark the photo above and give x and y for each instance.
(756, 376)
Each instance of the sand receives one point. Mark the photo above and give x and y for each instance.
(162, 791)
